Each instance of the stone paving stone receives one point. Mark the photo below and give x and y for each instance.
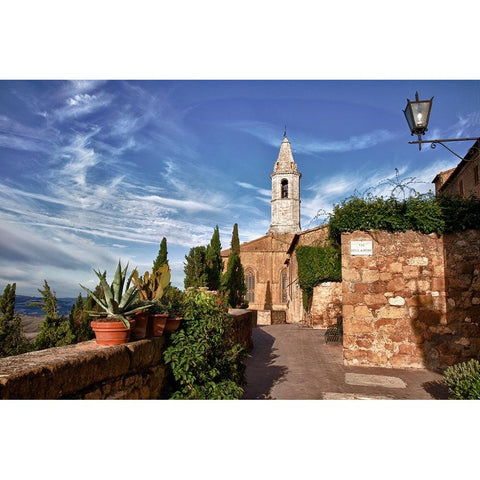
(355, 396)
(374, 380)
(291, 362)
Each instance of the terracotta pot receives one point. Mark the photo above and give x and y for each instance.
(172, 324)
(111, 333)
(141, 323)
(156, 324)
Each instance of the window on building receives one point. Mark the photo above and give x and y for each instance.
(284, 286)
(475, 174)
(460, 188)
(284, 188)
(250, 283)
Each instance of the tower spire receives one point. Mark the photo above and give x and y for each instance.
(285, 191)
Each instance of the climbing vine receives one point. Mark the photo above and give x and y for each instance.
(316, 265)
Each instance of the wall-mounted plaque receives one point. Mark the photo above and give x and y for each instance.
(361, 247)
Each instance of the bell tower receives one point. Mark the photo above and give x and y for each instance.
(285, 192)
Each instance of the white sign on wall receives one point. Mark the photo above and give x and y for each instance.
(361, 247)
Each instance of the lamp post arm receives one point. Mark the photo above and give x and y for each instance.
(441, 142)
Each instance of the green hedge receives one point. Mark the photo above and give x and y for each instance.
(316, 265)
(421, 213)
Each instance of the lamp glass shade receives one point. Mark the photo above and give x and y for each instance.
(417, 114)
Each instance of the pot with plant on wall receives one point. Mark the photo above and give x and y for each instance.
(120, 301)
(151, 287)
(173, 302)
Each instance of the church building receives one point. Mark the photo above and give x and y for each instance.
(269, 262)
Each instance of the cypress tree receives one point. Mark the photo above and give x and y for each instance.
(162, 255)
(235, 240)
(233, 281)
(12, 336)
(214, 261)
(196, 268)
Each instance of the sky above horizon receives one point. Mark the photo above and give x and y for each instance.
(97, 171)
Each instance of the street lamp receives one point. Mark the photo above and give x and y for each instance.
(417, 114)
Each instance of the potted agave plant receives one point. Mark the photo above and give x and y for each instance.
(120, 302)
(151, 287)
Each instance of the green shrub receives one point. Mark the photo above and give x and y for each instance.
(316, 265)
(463, 380)
(205, 361)
(422, 213)
(460, 213)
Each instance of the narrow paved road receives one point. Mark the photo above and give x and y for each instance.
(292, 362)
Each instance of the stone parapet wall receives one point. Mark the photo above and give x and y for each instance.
(89, 371)
(400, 302)
(86, 371)
(244, 321)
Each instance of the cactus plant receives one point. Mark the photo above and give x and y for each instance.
(152, 285)
(120, 299)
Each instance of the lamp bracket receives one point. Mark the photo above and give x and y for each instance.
(441, 142)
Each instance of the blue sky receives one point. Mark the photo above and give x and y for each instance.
(94, 171)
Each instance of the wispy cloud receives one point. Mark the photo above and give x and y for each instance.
(82, 104)
(18, 136)
(261, 191)
(356, 142)
(269, 135)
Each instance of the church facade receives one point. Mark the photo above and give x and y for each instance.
(269, 262)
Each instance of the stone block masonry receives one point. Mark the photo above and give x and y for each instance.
(414, 301)
(86, 371)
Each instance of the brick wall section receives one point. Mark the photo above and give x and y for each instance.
(413, 303)
(90, 371)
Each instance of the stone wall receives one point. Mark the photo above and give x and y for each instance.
(412, 302)
(462, 284)
(86, 371)
(90, 371)
(326, 306)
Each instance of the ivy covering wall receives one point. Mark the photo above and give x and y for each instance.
(317, 265)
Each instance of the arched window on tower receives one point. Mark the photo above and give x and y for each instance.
(284, 188)
(250, 284)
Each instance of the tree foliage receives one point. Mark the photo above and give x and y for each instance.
(235, 240)
(12, 336)
(204, 360)
(233, 280)
(80, 317)
(214, 261)
(196, 268)
(56, 330)
(162, 255)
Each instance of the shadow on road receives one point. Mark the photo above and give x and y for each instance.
(261, 372)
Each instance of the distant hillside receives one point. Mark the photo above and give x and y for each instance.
(64, 305)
